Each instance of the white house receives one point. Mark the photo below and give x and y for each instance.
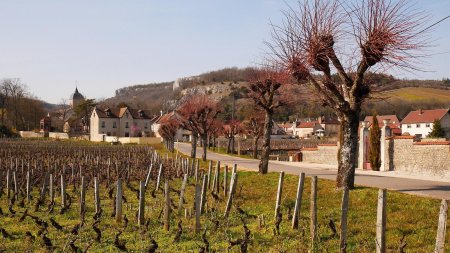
(181, 135)
(120, 122)
(420, 122)
(321, 126)
(305, 129)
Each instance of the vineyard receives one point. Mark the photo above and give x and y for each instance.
(80, 197)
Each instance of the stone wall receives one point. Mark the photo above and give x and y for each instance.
(56, 135)
(324, 154)
(428, 158)
(134, 140)
(31, 134)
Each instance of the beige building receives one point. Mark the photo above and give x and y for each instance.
(120, 122)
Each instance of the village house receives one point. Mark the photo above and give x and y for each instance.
(120, 122)
(287, 128)
(322, 126)
(420, 123)
(393, 123)
(182, 134)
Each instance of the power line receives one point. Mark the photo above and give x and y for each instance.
(440, 21)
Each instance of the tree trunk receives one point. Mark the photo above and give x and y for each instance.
(205, 147)
(348, 150)
(171, 145)
(232, 144)
(229, 145)
(194, 145)
(255, 147)
(265, 152)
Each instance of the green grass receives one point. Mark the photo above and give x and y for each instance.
(412, 216)
(223, 151)
(417, 94)
(415, 217)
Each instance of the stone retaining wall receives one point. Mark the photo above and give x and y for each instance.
(56, 135)
(429, 158)
(324, 154)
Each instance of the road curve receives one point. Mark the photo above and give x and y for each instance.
(428, 188)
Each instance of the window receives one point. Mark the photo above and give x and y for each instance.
(146, 125)
(418, 125)
(108, 133)
(114, 124)
(427, 125)
(103, 124)
(126, 114)
(126, 125)
(127, 134)
(408, 126)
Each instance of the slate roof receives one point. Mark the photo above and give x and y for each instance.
(120, 112)
(77, 95)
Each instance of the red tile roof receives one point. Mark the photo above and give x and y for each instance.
(393, 120)
(404, 137)
(432, 143)
(285, 125)
(309, 149)
(310, 124)
(424, 116)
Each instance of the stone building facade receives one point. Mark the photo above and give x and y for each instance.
(120, 122)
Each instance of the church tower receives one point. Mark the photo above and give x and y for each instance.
(76, 98)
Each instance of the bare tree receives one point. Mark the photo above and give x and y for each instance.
(200, 113)
(185, 110)
(264, 90)
(63, 110)
(216, 129)
(168, 130)
(375, 33)
(255, 128)
(229, 131)
(14, 91)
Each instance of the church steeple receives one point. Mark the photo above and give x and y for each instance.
(76, 98)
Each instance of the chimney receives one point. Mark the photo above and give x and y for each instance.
(420, 112)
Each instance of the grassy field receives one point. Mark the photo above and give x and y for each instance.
(417, 94)
(410, 216)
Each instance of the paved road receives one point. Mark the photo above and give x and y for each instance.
(427, 188)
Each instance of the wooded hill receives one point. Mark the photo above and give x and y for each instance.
(392, 95)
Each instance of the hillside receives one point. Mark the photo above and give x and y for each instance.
(393, 95)
(417, 94)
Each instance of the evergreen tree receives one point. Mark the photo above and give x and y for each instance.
(437, 131)
(375, 143)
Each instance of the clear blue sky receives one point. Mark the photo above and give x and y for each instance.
(110, 44)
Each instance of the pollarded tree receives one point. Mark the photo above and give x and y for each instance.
(185, 111)
(168, 130)
(229, 131)
(200, 113)
(216, 130)
(255, 128)
(375, 144)
(437, 131)
(372, 34)
(265, 91)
